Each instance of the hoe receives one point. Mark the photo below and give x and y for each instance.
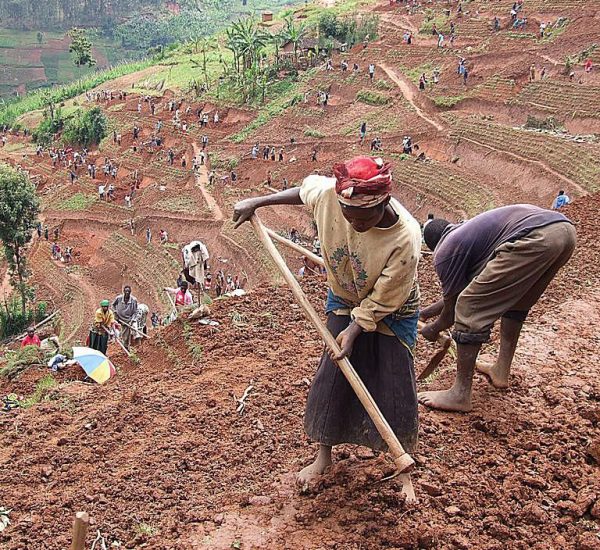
(444, 341)
(402, 459)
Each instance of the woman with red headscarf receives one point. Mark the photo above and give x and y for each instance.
(370, 245)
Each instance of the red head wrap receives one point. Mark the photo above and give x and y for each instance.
(363, 181)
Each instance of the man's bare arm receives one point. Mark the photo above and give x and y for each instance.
(432, 330)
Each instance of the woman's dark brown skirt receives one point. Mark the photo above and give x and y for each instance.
(334, 414)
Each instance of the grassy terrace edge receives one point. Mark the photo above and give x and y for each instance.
(12, 110)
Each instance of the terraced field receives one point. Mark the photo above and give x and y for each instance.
(576, 161)
(455, 189)
(561, 98)
(150, 267)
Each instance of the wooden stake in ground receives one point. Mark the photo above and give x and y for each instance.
(80, 529)
(402, 459)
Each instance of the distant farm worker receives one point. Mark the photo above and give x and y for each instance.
(139, 322)
(195, 261)
(430, 218)
(496, 265)
(371, 71)
(363, 132)
(183, 297)
(532, 72)
(102, 328)
(560, 200)
(125, 307)
(148, 235)
(370, 245)
(32, 339)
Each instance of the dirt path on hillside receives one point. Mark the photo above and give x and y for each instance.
(410, 91)
(202, 182)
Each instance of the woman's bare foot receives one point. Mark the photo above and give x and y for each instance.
(446, 400)
(498, 377)
(407, 488)
(312, 472)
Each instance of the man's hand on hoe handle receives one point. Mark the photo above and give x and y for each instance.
(430, 332)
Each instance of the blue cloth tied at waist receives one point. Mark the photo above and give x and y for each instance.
(403, 326)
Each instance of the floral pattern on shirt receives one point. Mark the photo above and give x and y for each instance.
(337, 260)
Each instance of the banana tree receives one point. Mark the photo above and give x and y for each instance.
(294, 33)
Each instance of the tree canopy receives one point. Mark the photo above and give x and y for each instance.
(19, 207)
(81, 48)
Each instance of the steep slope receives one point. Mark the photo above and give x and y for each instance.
(161, 457)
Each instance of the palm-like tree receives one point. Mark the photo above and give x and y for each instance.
(294, 33)
(246, 40)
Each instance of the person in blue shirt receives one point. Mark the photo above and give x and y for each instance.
(560, 200)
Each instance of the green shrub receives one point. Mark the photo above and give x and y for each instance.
(349, 29)
(48, 128)
(314, 133)
(383, 85)
(18, 361)
(86, 128)
(447, 101)
(77, 202)
(372, 98)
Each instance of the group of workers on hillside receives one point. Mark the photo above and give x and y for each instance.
(126, 321)
(492, 267)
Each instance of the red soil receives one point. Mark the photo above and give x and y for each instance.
(159, 457)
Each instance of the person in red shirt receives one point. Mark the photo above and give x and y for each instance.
(32, 339)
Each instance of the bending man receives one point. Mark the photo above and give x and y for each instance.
(496, 265)
(370, 245)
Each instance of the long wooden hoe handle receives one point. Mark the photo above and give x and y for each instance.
(80, 529)
(401, 458)
(310, 255)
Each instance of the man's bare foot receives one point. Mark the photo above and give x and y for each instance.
(311, 473)
(407, 488)
(497, 377)
(446, 400)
